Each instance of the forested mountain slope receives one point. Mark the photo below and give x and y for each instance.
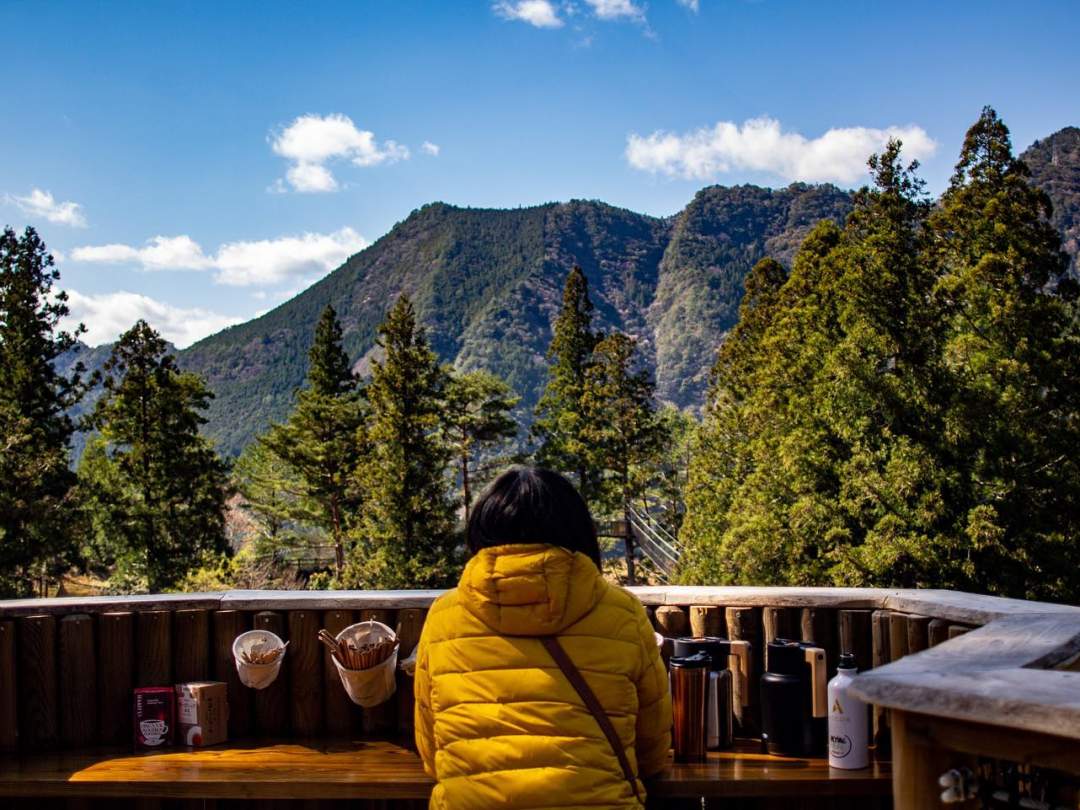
(487, 283)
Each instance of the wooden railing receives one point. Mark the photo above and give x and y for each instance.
(68, 666)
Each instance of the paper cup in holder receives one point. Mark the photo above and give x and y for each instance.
(257, 676)
(375, 685)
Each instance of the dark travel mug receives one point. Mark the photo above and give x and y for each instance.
(689, 677)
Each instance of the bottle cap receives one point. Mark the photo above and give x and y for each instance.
(690, 661)
(847, 661)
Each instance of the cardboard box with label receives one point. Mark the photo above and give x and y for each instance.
(202, 713)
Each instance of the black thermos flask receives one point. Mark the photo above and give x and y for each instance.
(794, 698)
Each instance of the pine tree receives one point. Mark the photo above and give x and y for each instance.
(275, 498)
(405, 538)
(621, 427)
(322, 442)
(477, 417)
(1012, 349)
(559, 424)
(155, 486)
(36, 484)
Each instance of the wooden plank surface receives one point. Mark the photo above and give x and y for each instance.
(672, 621)
(409, 624)
(78, 681)
(38, 704)
(707, 620)
(1000, 673)
(857, 636)
(382, 719)
(153, 648)
(272, 703)
(9, 716)
(305, 662)
(312, 770)
(342, 715)
(744, 624)
(116, 675)
(191, 645)
(228, 624)
(820, 625)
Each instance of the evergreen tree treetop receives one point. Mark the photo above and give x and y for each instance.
(329, 370)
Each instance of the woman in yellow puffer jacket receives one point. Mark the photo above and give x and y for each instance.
(498, 724)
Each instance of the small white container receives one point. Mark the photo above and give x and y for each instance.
(849, 733)
(257, 676)
(368, 687)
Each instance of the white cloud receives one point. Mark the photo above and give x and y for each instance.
(617, 10)
(429, 148)
(109, 315)
(759, 145)
(311, 177)
(540, 13)
(690, 4)
(272, 261)
(40, 203)
(263, 262)
(160, 253)
(312, 141)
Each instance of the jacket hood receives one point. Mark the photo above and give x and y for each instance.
(530, 590)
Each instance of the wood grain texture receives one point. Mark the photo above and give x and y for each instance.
(305, 662)
(672, 621)
(153, 648)
(410, 622)
(116, 675)
(78, 681)
(191, 645)
(882, 650)
(707, 620)
(342, 715)
(980, 739)
(898, 637)
(937, 632)
(380, 720)
(37, 672)
(228, 624)
(957, 630)
(1002, 673)
(374, 771)
(821, 626)
(745, 624)
(272, 703)
(779, 622)
(918, 633)
(917, 764)
(857, 636)
(9, 715)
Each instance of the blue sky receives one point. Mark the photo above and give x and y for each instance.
(196, 163)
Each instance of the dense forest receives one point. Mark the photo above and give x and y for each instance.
(807, 386)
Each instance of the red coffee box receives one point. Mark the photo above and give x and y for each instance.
(155, 716)
(202, 713)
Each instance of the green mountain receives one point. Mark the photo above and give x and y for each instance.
(1055, 168)
(487, 283)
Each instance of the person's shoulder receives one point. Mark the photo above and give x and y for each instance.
(616, 597)
(442, 613)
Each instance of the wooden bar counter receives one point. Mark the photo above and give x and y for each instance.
(379, 770)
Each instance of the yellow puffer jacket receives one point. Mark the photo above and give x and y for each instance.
(498, 724)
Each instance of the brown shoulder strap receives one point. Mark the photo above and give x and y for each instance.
(592, 703)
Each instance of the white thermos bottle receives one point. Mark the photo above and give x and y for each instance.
(849, 745)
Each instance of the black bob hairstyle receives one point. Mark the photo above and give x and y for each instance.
(532, 505)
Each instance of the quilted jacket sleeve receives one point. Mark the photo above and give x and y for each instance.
(654, 705)
(424, 717)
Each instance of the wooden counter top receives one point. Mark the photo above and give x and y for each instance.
(377, 770)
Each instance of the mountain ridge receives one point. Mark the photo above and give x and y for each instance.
(487, 284)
